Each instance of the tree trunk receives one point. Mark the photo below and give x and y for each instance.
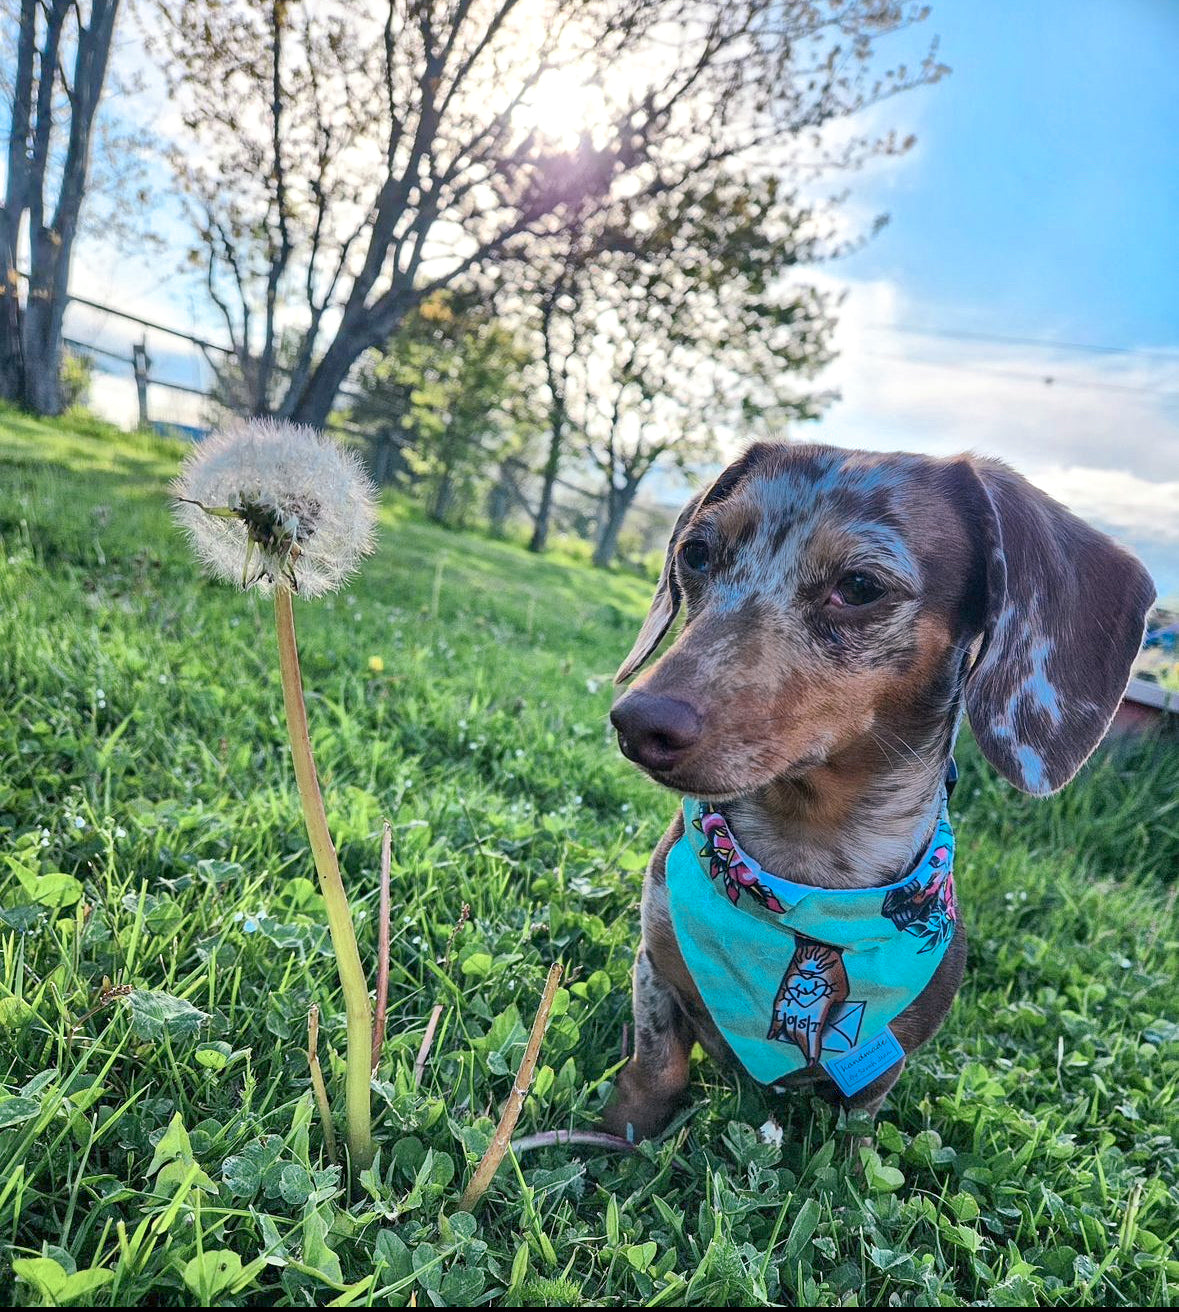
(30, 342)
(42, 362)
(499, 503)
(544, 512)
(556, 380)
(16, 203)
(12, 354)
(313, 403)
(443, 498)
(309, 399)
(384, 459)
(44, 314)
(618, 503)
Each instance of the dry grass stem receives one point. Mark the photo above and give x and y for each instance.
(464, 916)
(317, 1085)
(501, 1140)
(419, 1065)
(382, 1001)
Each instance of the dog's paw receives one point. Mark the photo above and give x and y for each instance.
(637, 1119)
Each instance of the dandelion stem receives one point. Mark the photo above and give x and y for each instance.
(355, 987)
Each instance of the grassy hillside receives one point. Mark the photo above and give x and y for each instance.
(150, 837)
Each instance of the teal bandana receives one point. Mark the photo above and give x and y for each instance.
(795, 975)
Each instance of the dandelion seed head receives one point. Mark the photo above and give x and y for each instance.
(300, 507)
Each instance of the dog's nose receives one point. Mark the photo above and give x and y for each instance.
(654, 732)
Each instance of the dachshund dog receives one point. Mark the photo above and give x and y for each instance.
(845, 609)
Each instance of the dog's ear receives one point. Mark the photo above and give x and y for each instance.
(666, 602)
(1064, 616)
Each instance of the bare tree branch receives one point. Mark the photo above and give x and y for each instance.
(410, 161)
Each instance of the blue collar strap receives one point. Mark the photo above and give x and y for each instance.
(794, 975)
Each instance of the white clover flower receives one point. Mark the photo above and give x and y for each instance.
(770, 1133)
(268, 502)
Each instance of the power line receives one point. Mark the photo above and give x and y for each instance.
(1092, 348)
(1046, 380)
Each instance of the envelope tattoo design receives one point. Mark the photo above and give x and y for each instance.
(842, 1031)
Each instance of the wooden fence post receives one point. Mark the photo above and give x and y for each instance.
(141, 362)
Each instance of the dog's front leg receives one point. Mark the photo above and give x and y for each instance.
(651, 1086)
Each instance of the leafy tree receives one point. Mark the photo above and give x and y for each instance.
(61, 51)
(673, 324)
(450, 384)
(77, 376)
(350, 161)
(558, 293)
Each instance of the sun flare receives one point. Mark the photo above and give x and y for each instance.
(562, 109)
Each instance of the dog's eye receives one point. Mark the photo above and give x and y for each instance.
(856, 589)
(696, 555)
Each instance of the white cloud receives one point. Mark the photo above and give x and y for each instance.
(1140, 514)
(1117, 500)
(1039, 406)
(1102, 436)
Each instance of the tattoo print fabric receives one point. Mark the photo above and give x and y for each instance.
(814, 982)
(793, 974)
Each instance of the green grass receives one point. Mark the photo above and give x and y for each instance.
(158, 1147)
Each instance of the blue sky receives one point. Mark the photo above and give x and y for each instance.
(1041, 202)
(1043, 196)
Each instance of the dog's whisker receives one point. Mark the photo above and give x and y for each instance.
(925, 762)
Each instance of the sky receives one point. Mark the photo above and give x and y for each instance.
(1040, 205)
(1041, 202)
